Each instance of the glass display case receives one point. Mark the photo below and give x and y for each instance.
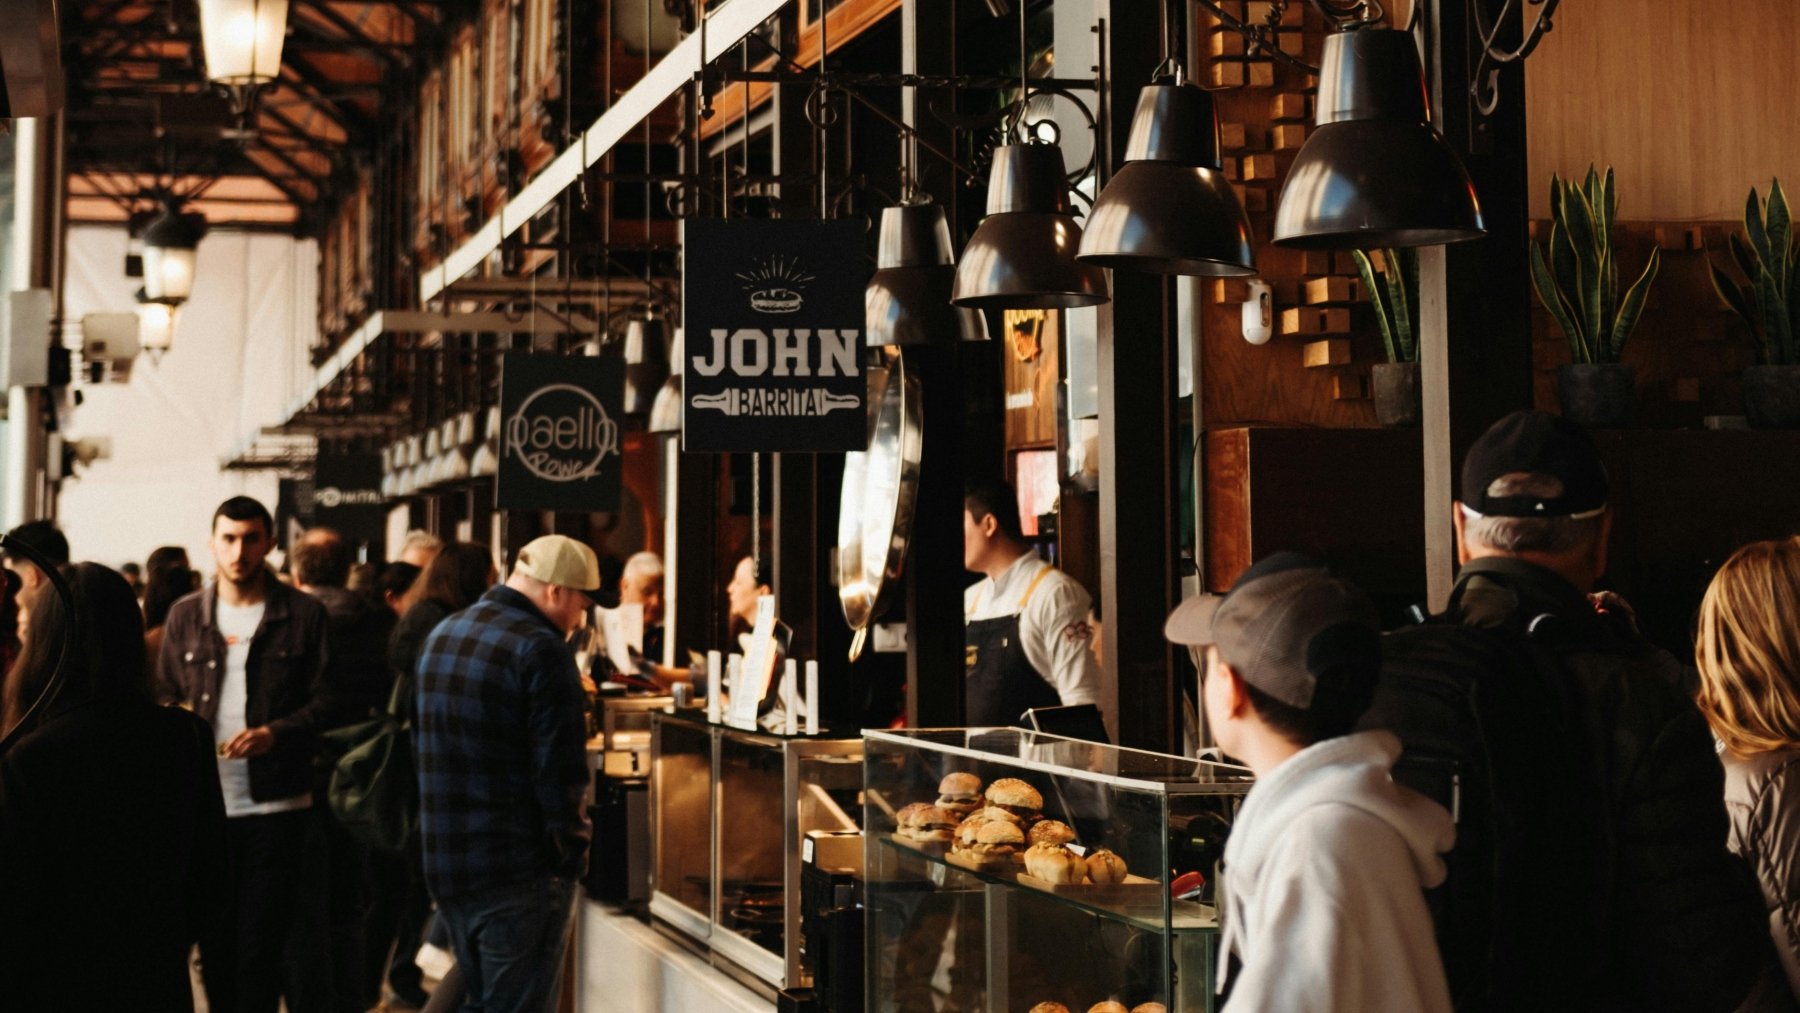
(965, 924)
(681, 806)
(733, 810)
(772, 791)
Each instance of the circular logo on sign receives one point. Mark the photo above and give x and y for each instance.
(330, 497)
(562, 433)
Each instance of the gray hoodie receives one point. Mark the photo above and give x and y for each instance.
(1323, 884)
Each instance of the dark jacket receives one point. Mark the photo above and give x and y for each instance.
(407, 640)
(501, 747)
(1762, 794)
(358, 636)
(1674, 915)
(112, 842)
(289, 688)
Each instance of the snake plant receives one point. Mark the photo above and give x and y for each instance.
(1393, 288)
(1770, 259)
(1578, 279)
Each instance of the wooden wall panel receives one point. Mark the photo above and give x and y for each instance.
(1691, 101)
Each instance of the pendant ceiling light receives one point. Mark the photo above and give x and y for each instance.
(665, 412)
(156, 326)
(908, 298)
(171, 246)
(242, 40)
(1023, 254)
(646, 363)
(1374, 173)
(1169, 209)
(486, 462)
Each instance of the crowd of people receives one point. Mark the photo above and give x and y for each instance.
(1516, 804)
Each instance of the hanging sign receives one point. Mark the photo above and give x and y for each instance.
(345, 495)
(773, 316)
(559, 432)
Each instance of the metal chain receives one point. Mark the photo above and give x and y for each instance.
(756, 513)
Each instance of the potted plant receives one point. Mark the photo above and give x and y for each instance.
(1391, 279)
(1770, 304)
(1576, 276)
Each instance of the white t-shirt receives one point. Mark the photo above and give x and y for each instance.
(1053, 625)
(237, 624)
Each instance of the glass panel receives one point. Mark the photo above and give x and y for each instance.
(752, 864)
(951, 928)
(683, 771)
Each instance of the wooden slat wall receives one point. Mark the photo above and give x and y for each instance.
(1691, 101)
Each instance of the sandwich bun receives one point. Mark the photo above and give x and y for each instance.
(994, 813)
(1049, 1007)
(996, 839)
(929, 823)
(1149, 1007)
(1015, 795)
(1050, 832)
(1105, 867)
(905, 816)
(960, 786)
(1054, 863)
(1108, 1006)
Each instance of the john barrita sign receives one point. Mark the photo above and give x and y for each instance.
(559, 432)
(773, 313)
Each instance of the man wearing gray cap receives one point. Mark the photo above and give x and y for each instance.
(502, 769)
(1322, 884)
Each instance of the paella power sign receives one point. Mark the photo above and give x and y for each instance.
(773, 316)
(559, 432)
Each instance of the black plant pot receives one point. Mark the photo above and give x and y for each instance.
(1597, 395)
(1772, 397)
(1396, 391)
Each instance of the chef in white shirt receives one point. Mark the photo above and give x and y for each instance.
(1027, 638)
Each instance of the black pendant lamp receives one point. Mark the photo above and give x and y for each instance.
(908, 298)
(1023, 254)
(646, 363)
(1375, 173)
(1169, 209)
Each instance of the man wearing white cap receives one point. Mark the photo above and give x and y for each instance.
(500, 742)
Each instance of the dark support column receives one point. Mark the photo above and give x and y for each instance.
(1484, 287)
(1138, 477)
(934, 573)
(696, 506)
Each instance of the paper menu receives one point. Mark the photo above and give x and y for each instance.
(759, 666)
(623, 630)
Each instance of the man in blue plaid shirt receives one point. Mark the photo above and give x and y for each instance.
(501, 746)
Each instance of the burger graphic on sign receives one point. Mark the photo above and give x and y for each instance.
(774, 284)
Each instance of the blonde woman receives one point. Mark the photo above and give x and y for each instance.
(1748, 652)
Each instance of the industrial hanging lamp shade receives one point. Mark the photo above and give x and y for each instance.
(1169, 209)
(665, 412)
(242, 40)
(646, 363)
(1023, 254)
(909, 294)
(908, 298)
(1375, 173)
(171, 246)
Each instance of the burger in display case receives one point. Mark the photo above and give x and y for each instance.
(1009, 870)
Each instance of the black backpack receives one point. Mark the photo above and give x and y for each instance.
(1487, 728)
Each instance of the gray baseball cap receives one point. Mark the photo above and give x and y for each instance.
(1285, 622)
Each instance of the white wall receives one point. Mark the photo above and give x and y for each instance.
(239, 355)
